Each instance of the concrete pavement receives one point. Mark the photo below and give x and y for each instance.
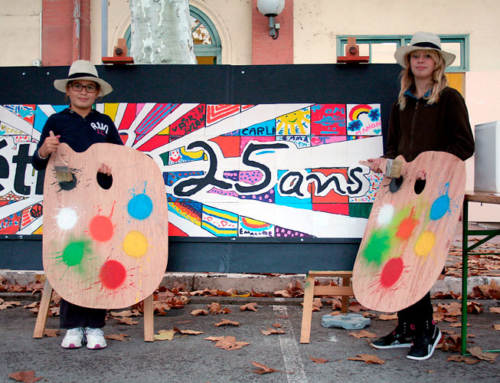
(194, 359)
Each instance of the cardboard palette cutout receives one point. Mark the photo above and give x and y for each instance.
(105, 242)
(409, 231)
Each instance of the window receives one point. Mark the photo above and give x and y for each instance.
(381, 48)
(207, 46)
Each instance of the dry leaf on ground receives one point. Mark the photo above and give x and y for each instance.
(165, 335)
(480, 354)
(249, 307)
(25, 376)
(227, 322)
(214, 308)
(227, 342)
(262, 369)
(120, 337)
(496, 326)
(388, 316)
(451, 342)
(461, 358)
(363, 334)
(51, 332)
(276, 325)
(188, 332)
(368, 358)
(199, 312)
(317, 304)
(495, 310)
(8, 304)
(474, 307)
(126, 320)
(125, 313)
(319, 360)
(271, 331)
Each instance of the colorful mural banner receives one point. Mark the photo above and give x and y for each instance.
(266, 170)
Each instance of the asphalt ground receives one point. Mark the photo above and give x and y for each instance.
(192, 358)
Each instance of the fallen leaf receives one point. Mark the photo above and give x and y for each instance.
(9, 304)
(31, 305)
(317, 304)
(161, 308)
(319, 360)
(125, 320)
(51, 332)
(388, 316)
(276, 325)
(495, 310)
(227, 322)
(363, 334)
(199, 312)
(262, 369)
(271, 331)
(355, 307)
(228, 343)
(256, 294)
(188, 332)
(461, 358)
(474, 307)
(496, 326)
(25, 376)
(368, 358)
(478, 353)
(125, 313)
(120, 337)
(282, 293)
(457, 324)
(249, 307)
(450, 342)
(214, 308)
(165, 335)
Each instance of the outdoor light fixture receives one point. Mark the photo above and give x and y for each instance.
(271, 9)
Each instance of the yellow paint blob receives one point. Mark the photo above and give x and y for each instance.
(425, 243)
(135, 244)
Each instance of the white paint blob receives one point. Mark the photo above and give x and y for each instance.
(385, 215)
(66, 218)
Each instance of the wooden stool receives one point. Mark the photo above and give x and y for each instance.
(310, 291)
(43, 311)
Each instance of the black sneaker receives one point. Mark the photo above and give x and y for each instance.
(401, 337)
(425, 344)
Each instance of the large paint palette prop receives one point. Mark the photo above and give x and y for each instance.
(105, 245)
(409, 231)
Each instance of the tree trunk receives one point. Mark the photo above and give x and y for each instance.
(161, 32)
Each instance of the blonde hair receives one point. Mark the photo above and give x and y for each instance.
(439, 80)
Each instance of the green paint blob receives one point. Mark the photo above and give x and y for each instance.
(73, 253)
(377, 246)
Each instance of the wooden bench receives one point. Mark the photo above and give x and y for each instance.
(43, 312)
(311, 291)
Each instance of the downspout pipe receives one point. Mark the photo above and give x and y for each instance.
(104, 28)
(76, 54)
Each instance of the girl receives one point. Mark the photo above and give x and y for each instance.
(79, 126)
(427, 116)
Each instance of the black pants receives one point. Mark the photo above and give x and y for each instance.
(76, 316)
(418, 312)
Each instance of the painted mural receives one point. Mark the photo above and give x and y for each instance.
(266, 170)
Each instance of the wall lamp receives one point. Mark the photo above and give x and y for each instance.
(271, 9)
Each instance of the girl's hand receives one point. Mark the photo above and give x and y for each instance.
(49, 146)
(376, 165)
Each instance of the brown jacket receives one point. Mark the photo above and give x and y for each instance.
(443, 126)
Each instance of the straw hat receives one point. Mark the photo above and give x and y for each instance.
(83, 70)
(423, 40)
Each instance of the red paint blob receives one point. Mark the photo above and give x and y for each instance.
(406, 226)
(112, 274)
(392, 272)
(101, 228)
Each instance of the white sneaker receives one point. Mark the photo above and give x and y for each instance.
(73, 338)
(95, 338)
